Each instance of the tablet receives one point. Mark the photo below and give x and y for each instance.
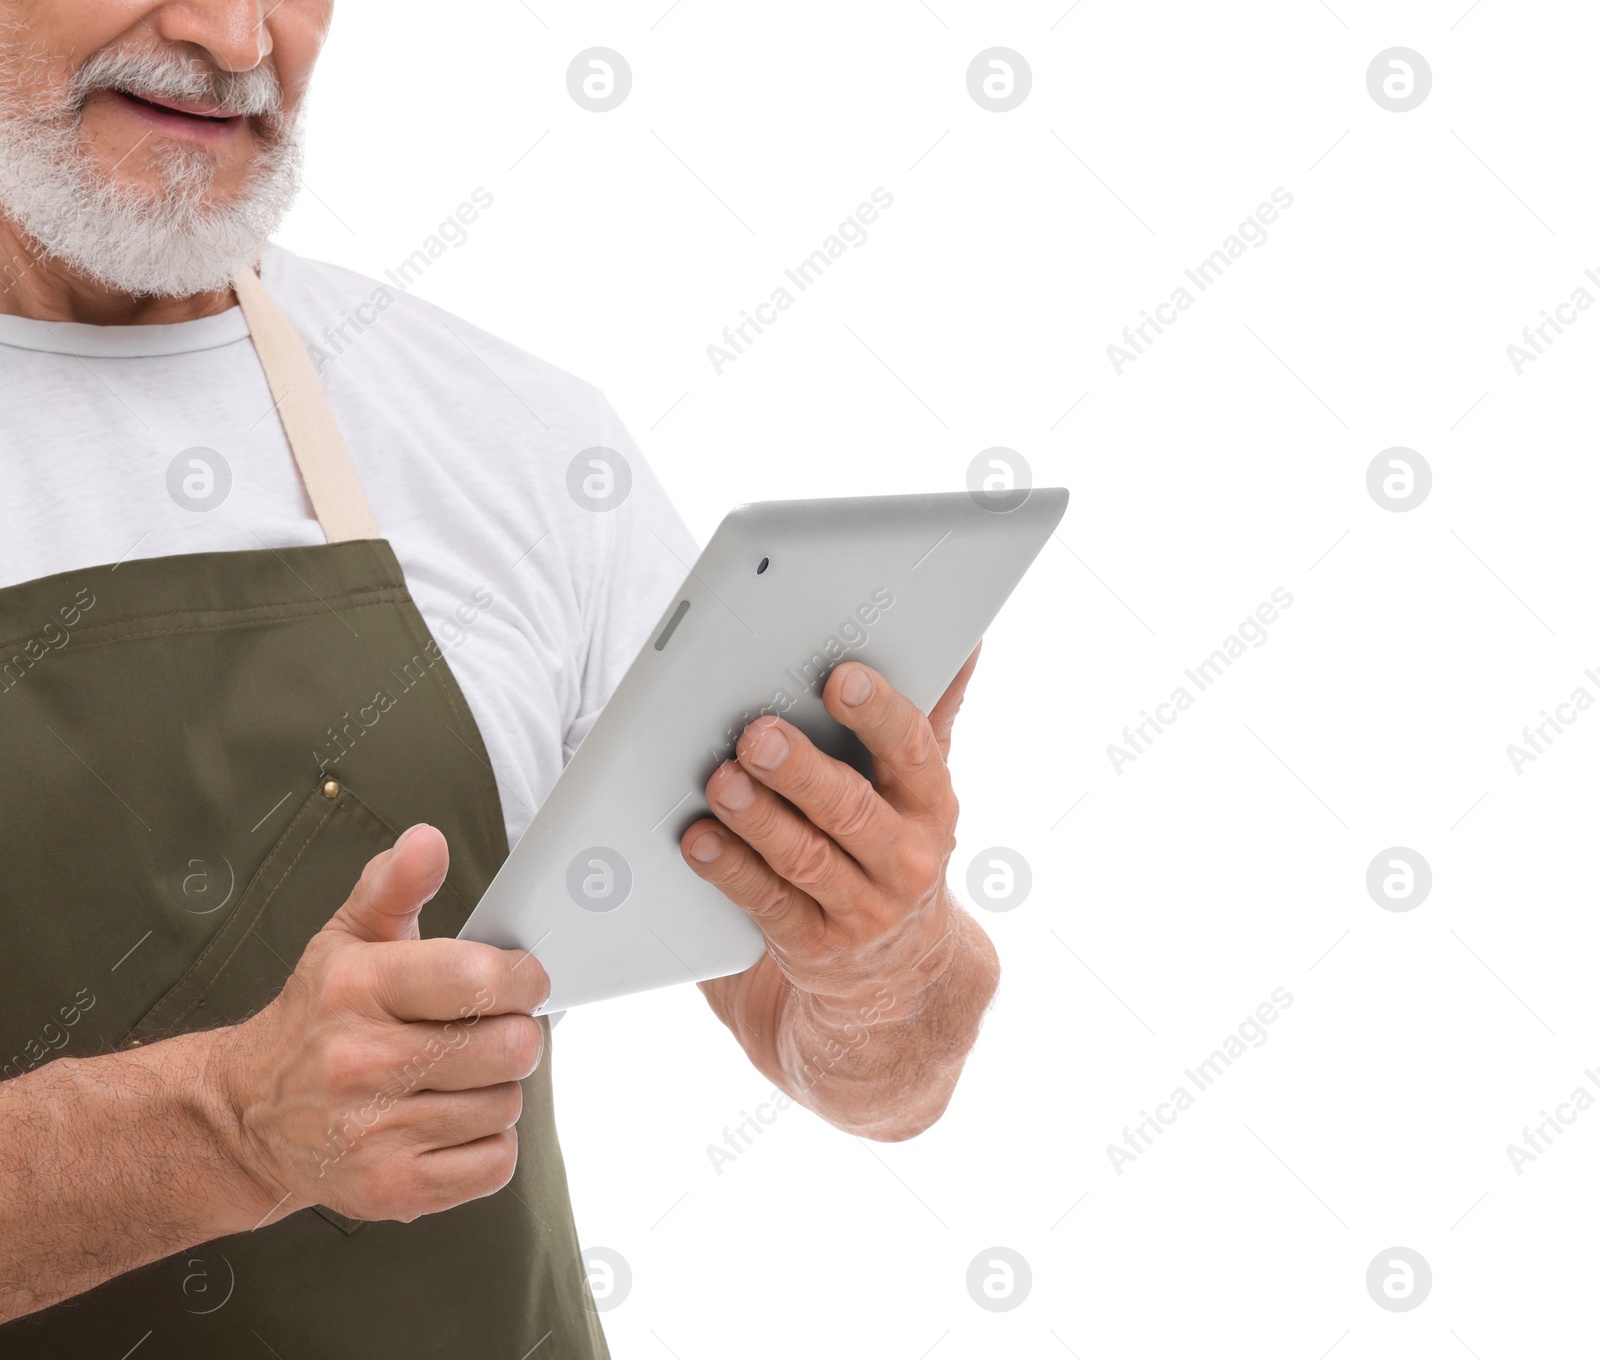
(596, 888)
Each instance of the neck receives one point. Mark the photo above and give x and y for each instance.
(42, 288)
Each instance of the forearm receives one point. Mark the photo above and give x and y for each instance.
(882, 1063)
(108, 1163)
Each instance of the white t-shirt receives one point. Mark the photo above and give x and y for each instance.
(462, 444)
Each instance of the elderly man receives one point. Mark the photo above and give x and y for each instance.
(272, 627)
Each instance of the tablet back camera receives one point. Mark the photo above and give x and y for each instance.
(761, 566)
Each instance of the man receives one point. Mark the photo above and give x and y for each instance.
(210, 600)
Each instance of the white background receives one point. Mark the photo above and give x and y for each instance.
(1229, 459)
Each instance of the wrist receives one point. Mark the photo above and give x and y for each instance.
(218, 1102)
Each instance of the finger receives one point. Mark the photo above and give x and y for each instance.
(840, 829)
(395, 885)
(808, 853)
(463, 1055)
(788, 917)
(907, 763)
(447, 979)
(830, 793)
(943, 717)
(438, 1119)
(453, 1175)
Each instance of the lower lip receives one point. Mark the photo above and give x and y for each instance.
(179, 126)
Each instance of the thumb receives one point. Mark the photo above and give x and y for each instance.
(396, 884)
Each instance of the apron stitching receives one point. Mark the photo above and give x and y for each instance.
(222, 625)
(178, 987)
(338, 804)
(266, 902)
(391, 594)
(357, 801)
(450, 687)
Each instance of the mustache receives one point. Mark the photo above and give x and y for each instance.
(165, 74)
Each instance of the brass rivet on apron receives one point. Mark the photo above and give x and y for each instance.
(330, 788)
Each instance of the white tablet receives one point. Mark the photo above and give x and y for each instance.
(596, 888)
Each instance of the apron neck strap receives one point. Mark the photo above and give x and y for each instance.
(314, 439)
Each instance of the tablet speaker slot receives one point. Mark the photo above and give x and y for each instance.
(672, 625)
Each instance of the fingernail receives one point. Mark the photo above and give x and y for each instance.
(407, 835)
(857, 687)
(769, 750)
(707, 848)
(738, 792)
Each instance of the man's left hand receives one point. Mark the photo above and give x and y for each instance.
(846, 878)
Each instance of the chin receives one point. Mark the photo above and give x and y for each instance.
(176, 228)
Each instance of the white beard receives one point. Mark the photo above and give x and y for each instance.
(168, 242)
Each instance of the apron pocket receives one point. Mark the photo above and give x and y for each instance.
(305, 877)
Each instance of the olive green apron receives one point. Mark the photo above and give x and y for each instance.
(201, 753)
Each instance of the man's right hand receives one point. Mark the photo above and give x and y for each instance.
(383, 1081)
